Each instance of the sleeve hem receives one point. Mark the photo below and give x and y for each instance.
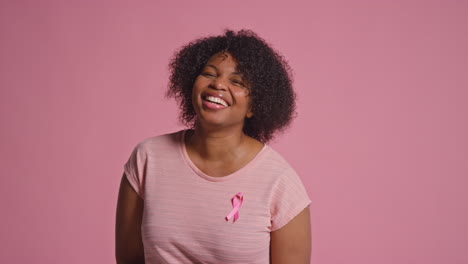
(283, 221)
(132, 183)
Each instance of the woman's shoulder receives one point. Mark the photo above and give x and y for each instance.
(165, 140)
(272, 161)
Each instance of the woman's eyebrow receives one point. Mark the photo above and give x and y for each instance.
(214, 67)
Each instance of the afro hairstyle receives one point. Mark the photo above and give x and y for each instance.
(266, 71)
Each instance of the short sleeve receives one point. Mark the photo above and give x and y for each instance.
(288, 199)
(134, 169)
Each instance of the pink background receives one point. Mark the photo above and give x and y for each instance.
(380, 141)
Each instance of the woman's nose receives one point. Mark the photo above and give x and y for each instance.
(218, 84)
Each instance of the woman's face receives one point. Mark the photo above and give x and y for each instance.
(220, 94)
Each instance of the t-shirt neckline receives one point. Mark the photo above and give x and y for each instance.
(205, 176)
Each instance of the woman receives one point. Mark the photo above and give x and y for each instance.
(217, 193)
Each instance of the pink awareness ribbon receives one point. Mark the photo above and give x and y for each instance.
(237, 201)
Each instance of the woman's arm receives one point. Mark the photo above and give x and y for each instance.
(128, 242)
(292, 243)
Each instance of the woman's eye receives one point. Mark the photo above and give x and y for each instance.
(206, 74)
(238, 83)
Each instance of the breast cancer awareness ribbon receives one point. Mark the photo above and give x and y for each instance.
(237, 201)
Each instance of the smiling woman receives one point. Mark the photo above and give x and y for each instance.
(216, 192)
(218, 93)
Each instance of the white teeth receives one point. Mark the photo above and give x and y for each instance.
(216, 100)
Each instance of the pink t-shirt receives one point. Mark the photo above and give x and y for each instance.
(184, 219)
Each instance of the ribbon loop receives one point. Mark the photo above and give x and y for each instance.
(237, 201)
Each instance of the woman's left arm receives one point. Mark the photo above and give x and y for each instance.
(292, 243)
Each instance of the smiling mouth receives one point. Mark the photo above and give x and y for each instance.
(216, 100)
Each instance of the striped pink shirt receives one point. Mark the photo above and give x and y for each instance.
(184, 219)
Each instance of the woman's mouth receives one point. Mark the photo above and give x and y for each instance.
(216, 100)
(213, 102)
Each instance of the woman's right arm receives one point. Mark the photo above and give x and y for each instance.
(128, 241)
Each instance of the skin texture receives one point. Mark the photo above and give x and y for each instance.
(218, 146)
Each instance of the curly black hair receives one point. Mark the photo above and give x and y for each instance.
(265, 70)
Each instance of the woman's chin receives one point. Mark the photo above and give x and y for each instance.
(212, 122)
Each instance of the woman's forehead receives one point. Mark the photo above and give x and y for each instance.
(223, 58)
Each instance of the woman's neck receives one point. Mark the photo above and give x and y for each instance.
(217, 144)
